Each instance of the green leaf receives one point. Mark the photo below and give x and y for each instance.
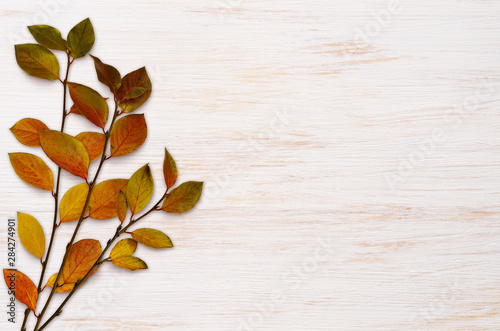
(183, 198)
(169, 170)
(31, 234)
(140, 189)
(108, 75)
(130, 262)
(136, 79)
(37, 61)
(152, 238)
(81, 38)
(48, 36)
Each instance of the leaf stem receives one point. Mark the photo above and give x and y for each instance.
(80, 220)
(55, 194)
(119, 231)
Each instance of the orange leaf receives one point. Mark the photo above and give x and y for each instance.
(152, 238)
(81, 257)
(66, 151)
(74, 110)
(183, 198)
(93, 142)
(31, 234)
(103, 199)
(140, 189)
(31, 169)
(137, 78)
(121, 206)
(62, 285)
(169, 170)
(26, 131)
(124, 247)
(130, 262)
(23, 287)
(128, 134)
(72, 203)
(90, 104)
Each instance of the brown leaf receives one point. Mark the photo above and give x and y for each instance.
(108, 75)
(169, 170)
(81, 257)
(23, 287)
(26, 131)
(128, 134)
(93, 142)
(31, 169)
(66, 151)
(134, 92)
(124, 247)
(37, 61)
(152, 238)
(121, 206)
(72, 203)
(137, 78)
(31, 234)
(89, 103)
(182, 198)
(103, 199)
(130, 262)
(140, 189)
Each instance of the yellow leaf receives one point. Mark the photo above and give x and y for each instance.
(32, 170)
(128, 134)
(62, 287)
(93, 142)
(66, 151)
(130, 262)
(124, 247)
(152, 238)
(31, 234)
(72, 203)
(103, 199)
(121, 206)
(26, 131)
(81, 257)
(140, 189)
(22, 286)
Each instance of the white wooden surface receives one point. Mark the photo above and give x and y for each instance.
(350, 151)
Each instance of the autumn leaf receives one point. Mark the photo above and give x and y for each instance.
(93, 142)
(26, 131)
(63, 286)
(37, 61)
(128, 134)
(22, 286)
(140, 189)
(108, 75)
(31, 234)
(81, 38)
(124, 247)
(66, 151)
(134, 92)
(89, 103)
(72, 203)
(169, 170)
(81, 257)
(48, 36)
(121, 206)
(152, 238)
(74, 110)
(32, 170)
(103, 198)
(130, 262)
(136, 79)
(182, 198)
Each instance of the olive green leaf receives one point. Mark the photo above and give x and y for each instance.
(152, 238)
(37, 61)
(182, 198)
(140, 189)
(48, 36)
(81, 38)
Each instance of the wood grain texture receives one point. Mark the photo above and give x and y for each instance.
(349, 149)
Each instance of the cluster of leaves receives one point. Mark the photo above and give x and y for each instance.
(108, 199)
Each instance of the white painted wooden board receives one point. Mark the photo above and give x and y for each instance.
(350, 153)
